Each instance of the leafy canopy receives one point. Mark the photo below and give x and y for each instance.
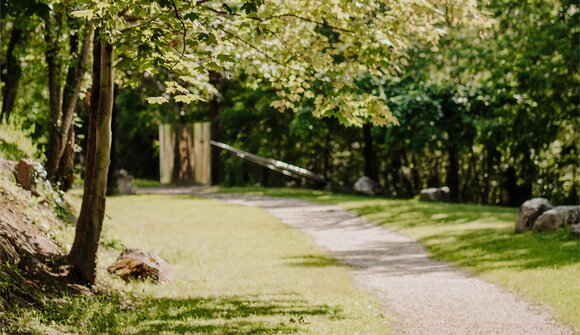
(314, 52)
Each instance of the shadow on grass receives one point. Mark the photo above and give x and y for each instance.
(414, 213)
(313, 261)
(224, 315)
(480, 237)
(490, 249)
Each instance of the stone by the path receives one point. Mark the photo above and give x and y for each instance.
(529, 212)
(367, 186)
(25, 173)
(575, 229)
(556, 218)
(135, 264)
(427, 297)
(435, 194)
(124, 183)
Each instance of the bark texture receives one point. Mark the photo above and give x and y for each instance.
(370, 155)
(83, 254)
(13, 73)
(62, 113)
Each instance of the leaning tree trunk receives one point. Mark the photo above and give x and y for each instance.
(60, 135)
(370, 155)
(66, 164)
(54, 92)
(452, 179)
(83, 255)
(13, 73)
(216, 159)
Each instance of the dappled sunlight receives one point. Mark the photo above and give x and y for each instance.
(313, 261)
(480, 237)
(225, 315)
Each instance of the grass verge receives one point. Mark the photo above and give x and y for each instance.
(478, 239)
(237, 270)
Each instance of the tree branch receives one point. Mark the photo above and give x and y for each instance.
(184, 31)
(253, 47)
(264, 19)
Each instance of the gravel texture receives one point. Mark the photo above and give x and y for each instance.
(425, 296)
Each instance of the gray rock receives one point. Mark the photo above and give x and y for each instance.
(529, 213)
(575, 230)
(556, 218)
(366, 185)
(136, 264)
(124, 184)
(435, 194)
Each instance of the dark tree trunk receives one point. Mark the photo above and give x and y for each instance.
(417, 184)
(54, 97)
(407, 180)
(13, 73)
(486, 177)
(66, 164)
(395, 188)
(370, 155)
(83, 254)
(245, 173)
(326, 157)
(182, 163)
(216, 135)
(61, 120)
(265, 176)
(452, 179)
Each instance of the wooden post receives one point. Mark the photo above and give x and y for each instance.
(166, 153)
(202, 152)
(175, 152)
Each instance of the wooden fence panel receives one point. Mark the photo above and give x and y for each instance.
(202, 149)
(185, 154)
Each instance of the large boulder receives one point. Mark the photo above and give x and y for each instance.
(435, 194)
(366, 185)
(123, 183)
(556, 218)
(135, 264)
(529, 212)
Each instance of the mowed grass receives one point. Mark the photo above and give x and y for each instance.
(544, 268)
(238, 270)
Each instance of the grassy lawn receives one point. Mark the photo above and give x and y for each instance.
(479, 239)
(238, 270)
(146, 183)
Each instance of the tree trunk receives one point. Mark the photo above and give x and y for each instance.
(111, 181)
(83, 254)
(66, 164)
(54, 97)
(452, 179)
(62, 124)
(13, 73)
(216, 159)
(370, 156)
(326, 157)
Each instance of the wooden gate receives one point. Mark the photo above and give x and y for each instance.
(185, 154)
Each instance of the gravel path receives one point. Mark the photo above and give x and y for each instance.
(426, 297)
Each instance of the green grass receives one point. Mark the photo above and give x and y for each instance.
(478, 239)
(237, 270)
(146, 182)
(16, 144)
